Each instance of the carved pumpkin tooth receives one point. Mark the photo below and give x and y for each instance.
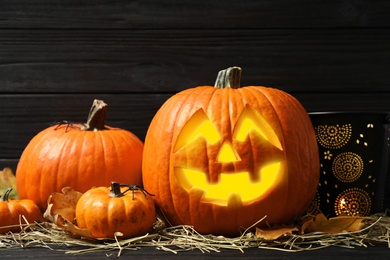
(197, 192)
(234, 201)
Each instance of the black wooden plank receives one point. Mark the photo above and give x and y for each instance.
(23, 116)
(193, 14)
(9, 163)
(164, 61)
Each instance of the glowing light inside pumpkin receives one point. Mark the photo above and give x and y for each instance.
(228, 154)
(198, 125)
(236, 183)
(250, 120)
(242, 185)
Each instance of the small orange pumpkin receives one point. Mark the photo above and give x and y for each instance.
(221, 158)
(121, 208)
(12, 210)
(79, 156)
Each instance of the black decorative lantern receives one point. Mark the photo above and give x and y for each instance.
(354, 154)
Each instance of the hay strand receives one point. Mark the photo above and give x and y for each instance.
(184, 238)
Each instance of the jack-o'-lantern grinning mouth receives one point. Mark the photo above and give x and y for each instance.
(237, 184)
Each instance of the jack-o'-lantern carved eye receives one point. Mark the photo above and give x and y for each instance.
(251, 120)
(197, 125)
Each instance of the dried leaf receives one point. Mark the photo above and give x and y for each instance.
(75, 230)
(61, 210)
(333, 225)
(274, 233)
(63, 204)
(305, 223)
(8, 180)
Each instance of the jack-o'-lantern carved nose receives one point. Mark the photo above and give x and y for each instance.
(227, 153)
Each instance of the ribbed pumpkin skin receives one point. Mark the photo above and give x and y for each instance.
(104, 215)
(56, 158)
(10, 211)
(291, 123)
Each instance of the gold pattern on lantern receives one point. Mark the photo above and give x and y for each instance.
(347, 167)
(358, 140)
(353, 202)
(328, 155)
(333, 136)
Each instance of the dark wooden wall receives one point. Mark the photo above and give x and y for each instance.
(57, 56)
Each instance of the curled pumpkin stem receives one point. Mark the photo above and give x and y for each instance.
(116, 190)
(5, 195)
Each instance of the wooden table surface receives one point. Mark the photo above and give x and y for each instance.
(372, 252)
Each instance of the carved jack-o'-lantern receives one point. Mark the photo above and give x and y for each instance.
(221, 158)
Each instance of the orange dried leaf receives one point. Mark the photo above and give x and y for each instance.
(307, 222)
(334, 225)
(62, 204)
(61, 210)
(274, 233)
(72, 228)
(75, 230)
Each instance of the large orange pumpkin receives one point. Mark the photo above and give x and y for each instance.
(221, 158)
(79, 156)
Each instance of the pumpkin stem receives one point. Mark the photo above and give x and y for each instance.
(116, 190)
(97, 116)
(5, 195)
(228, 78)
